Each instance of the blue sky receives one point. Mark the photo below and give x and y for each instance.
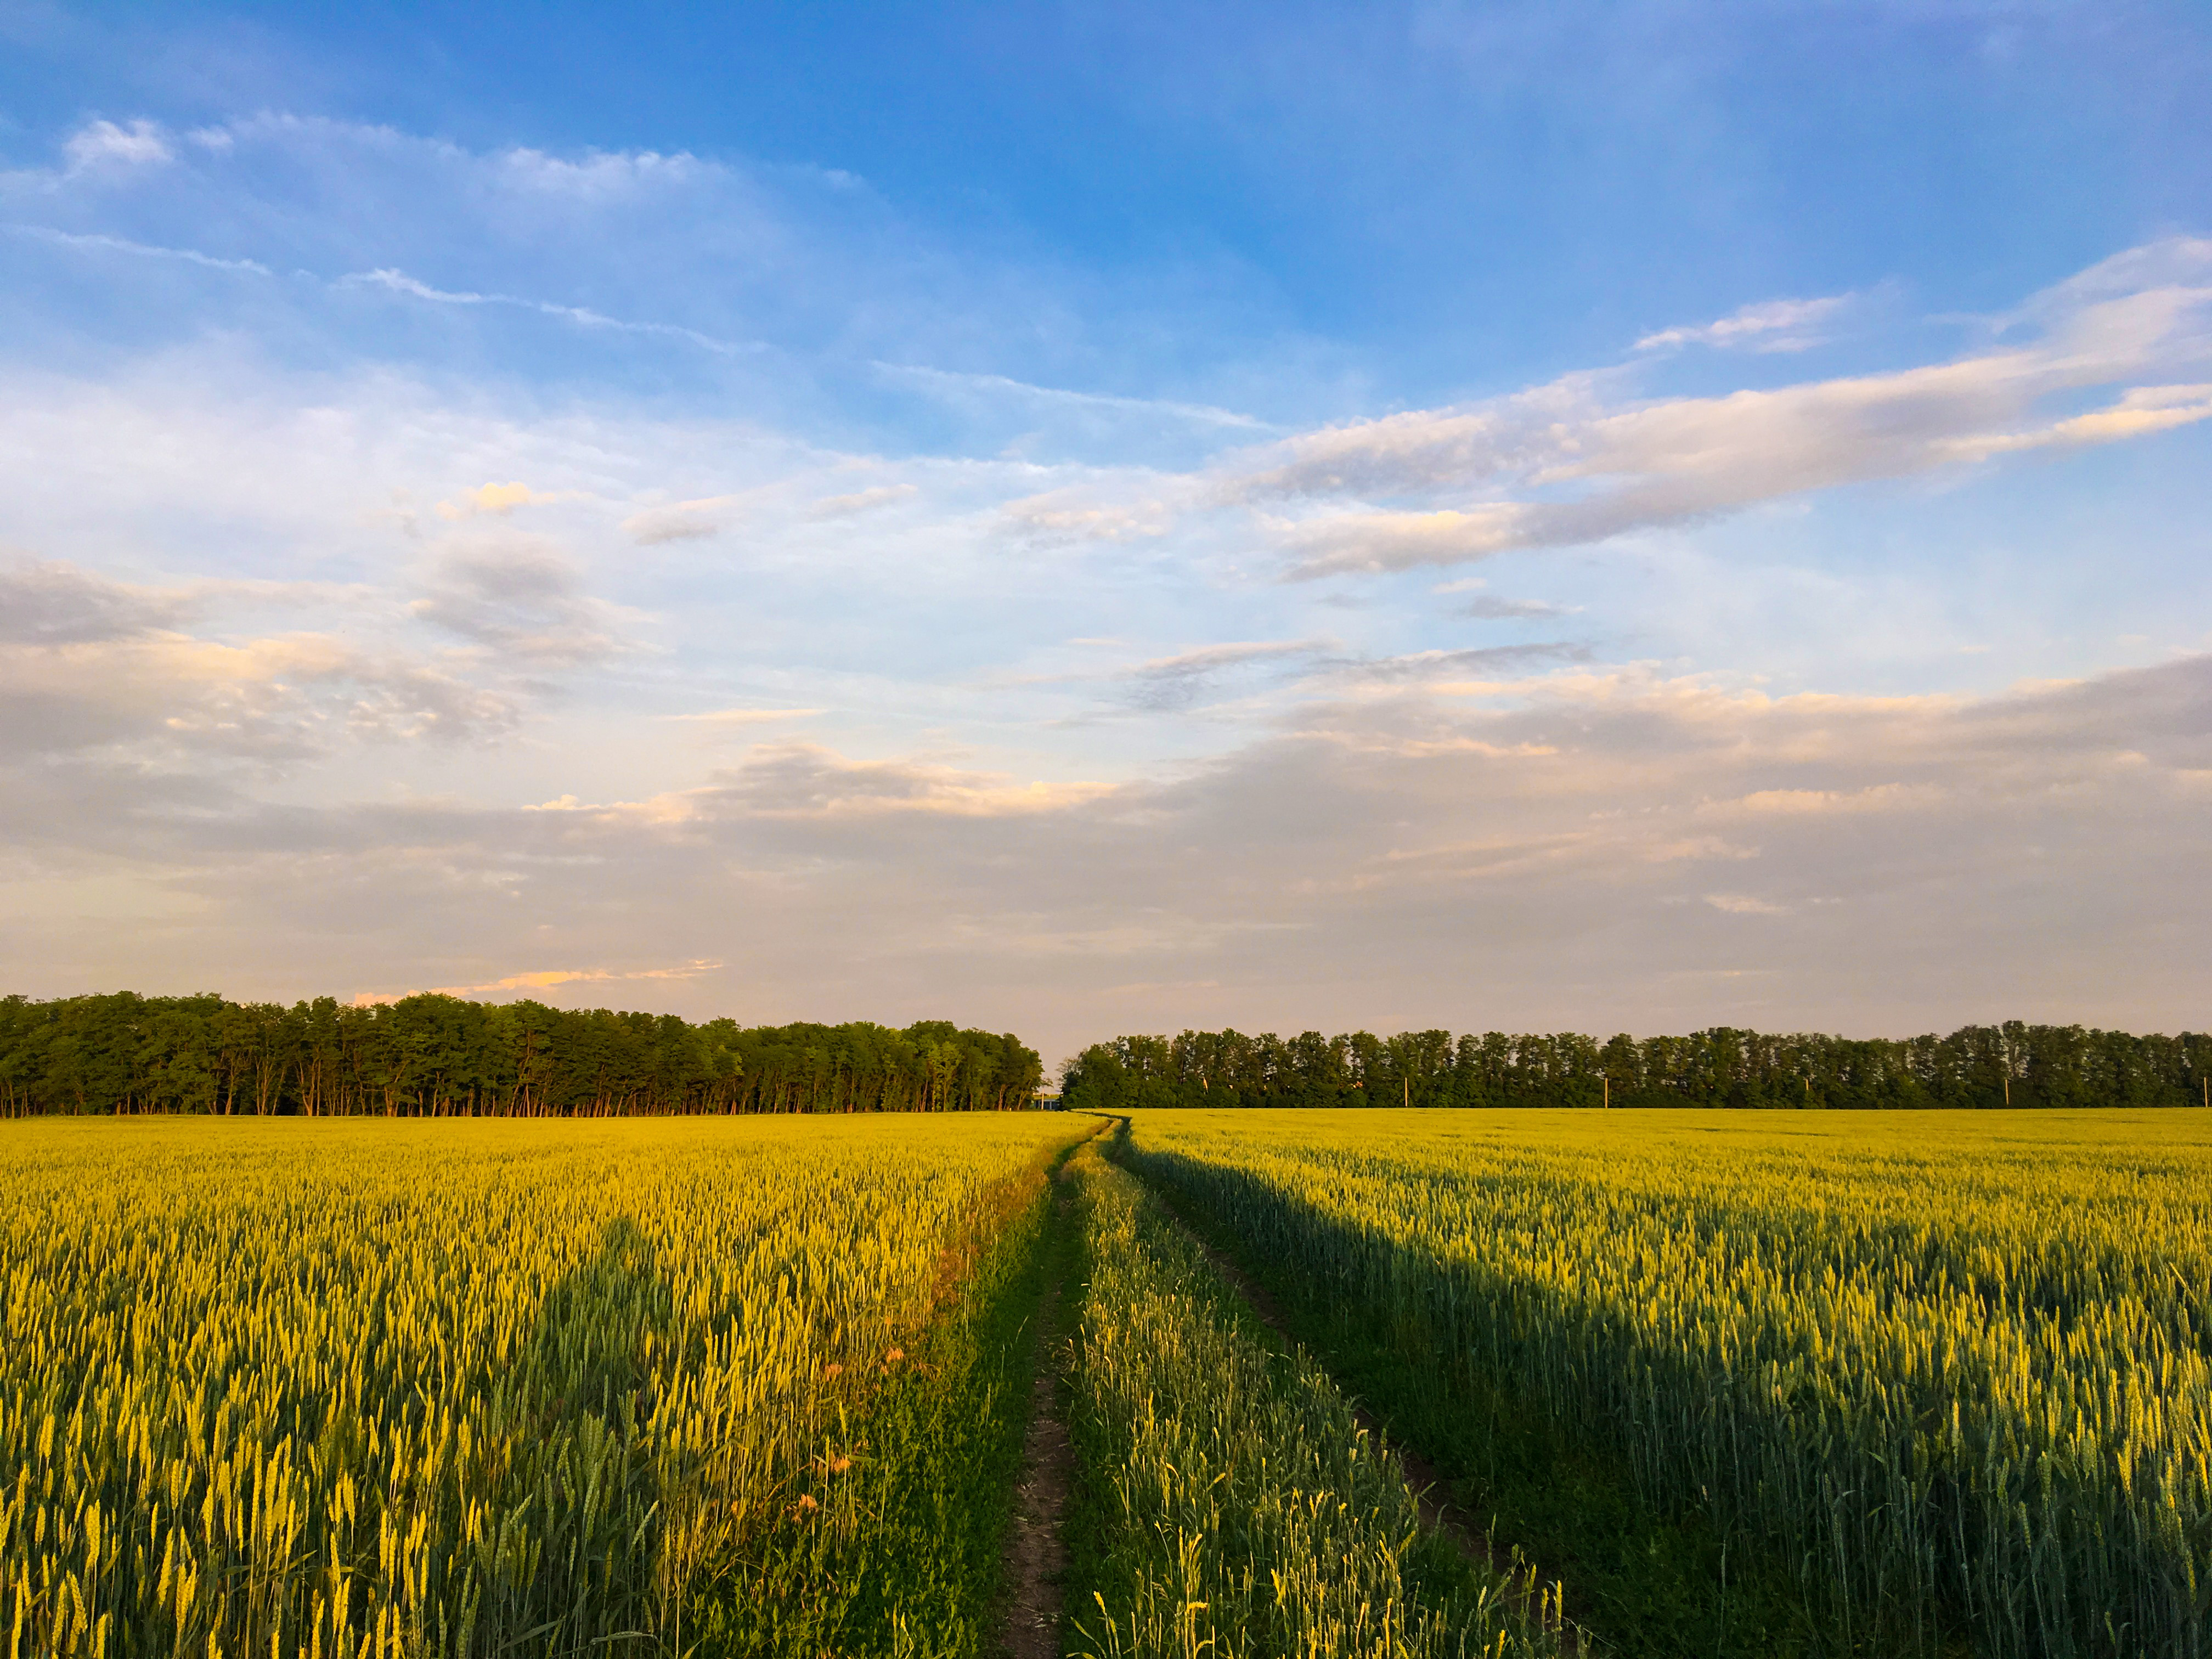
(1086, 518)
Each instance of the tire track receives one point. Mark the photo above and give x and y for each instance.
(1035, 1561)
(1431, 1491)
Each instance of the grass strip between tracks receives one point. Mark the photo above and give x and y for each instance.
(894, 1547)
(1228, 1500)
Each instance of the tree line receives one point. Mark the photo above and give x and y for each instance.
(1978, 1066)
(439, 1056)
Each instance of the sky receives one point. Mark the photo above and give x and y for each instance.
(1082, 519)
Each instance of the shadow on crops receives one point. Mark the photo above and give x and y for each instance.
(1644, 1580)
(588, 1353)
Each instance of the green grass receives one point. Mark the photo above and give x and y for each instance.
(899, 1552)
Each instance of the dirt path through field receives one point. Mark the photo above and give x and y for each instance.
(1429, 1489)
(1036, 1556)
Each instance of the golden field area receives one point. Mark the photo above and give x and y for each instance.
(1949, 1374)
(1710, 1382)
(286, 1386)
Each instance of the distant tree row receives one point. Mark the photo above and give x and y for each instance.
(1979, 1065)
(437, 1056)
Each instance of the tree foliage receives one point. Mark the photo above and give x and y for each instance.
(439, 1056)
(1978, 1066)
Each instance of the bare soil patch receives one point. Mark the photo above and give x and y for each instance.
(1036, 1560)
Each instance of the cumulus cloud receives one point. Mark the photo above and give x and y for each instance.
(103, 143)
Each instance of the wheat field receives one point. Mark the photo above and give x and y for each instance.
(1243, 1511)
(344, 1388)
(1954, 1371)
(708, 1386)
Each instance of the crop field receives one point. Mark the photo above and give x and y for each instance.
(1240, 1510)
(1928, 1382)
(329, 1388)
(1693, 1383)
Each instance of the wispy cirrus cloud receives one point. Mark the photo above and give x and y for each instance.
(1178, 681)
(1491, 608)
(106, 244)
(399, 282)
(737, 717)
(1768, 326)
(960, 383)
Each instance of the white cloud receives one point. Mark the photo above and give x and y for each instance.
(101, 144)
(1768, 326)
(522, 597)
(398, 281)
(600, 173)
(1075, 516)
(681, 521)
(745, 716)
(1572, 462)
(141, 250)
(1468, 832)
(860, 501)
(500, 499)
(1742, 904)
(1509, 861)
